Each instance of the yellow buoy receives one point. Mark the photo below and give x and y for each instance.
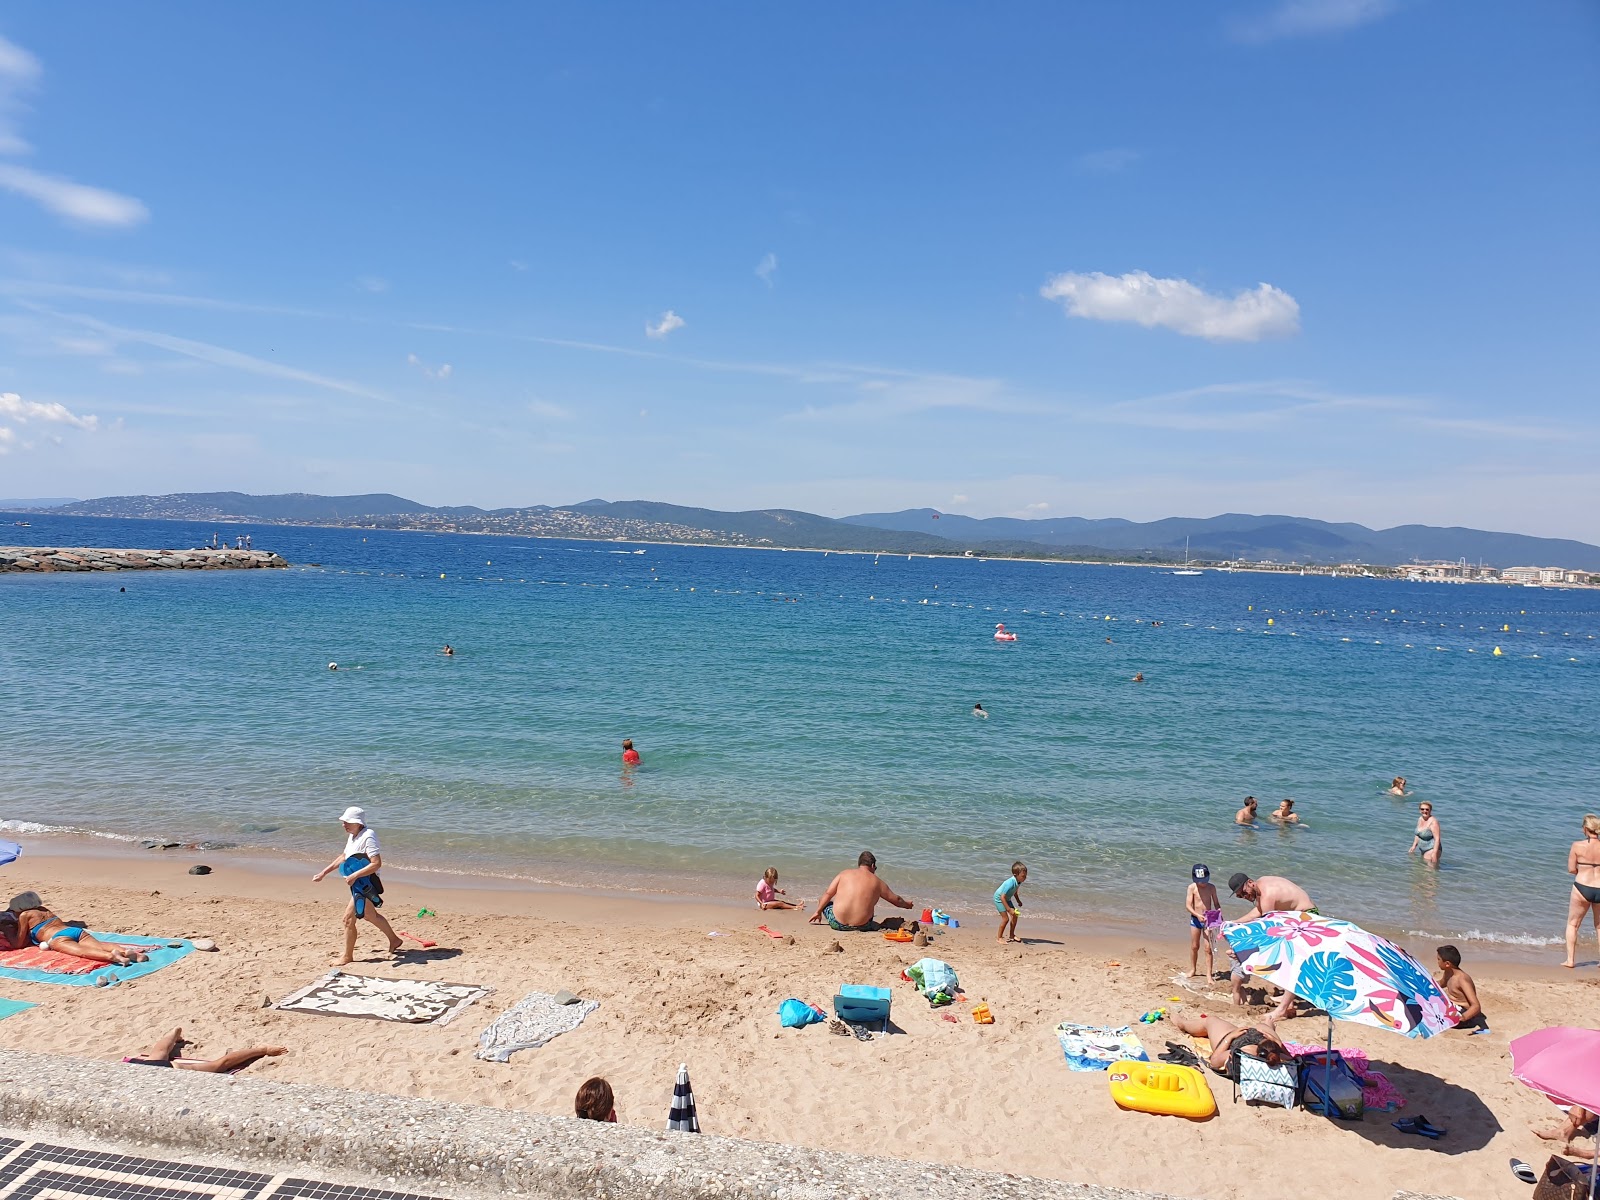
(1252, 608)
(1497, 653)
(1505, 629)
(1269, 620)
(441, 574)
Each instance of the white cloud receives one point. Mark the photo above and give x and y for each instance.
(14, 408)
(77, 202)
(7, 436)
(668, 322)
(1176, 304)
(958, 498)
(441, 373)
(1107, 162)
(375, 284)
(549, 411)
(767, 268)
(1310, 18)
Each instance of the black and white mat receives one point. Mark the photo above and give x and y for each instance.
(45, 1171)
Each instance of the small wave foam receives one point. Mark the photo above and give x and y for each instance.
(37, 827)
(1477, 935)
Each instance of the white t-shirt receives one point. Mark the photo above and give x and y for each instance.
(365, 841)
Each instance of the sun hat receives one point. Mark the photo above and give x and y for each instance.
(354, 815)
(1236, 881)
(1201, 872)
(23, 901)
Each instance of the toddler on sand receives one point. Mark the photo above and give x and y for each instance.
(1205, 916)
(768, 891)
(1008, 903)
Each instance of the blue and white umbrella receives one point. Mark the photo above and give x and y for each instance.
(682, 1118)
(9, 852)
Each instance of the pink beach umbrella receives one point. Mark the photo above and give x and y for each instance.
(1563, 1063)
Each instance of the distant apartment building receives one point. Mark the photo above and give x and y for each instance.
(1543, 575)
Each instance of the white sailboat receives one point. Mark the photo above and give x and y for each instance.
(1187, 569)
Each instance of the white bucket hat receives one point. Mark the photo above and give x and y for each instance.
(354, 816)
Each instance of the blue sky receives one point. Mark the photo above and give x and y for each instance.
(1334, 258)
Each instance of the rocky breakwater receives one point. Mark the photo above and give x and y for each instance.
(44, 559)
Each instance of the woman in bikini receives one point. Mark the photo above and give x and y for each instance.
(41, 927)
(1429, 840)
(1259, 1039)
(1583, 864)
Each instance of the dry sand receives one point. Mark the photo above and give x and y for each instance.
(997, 1097)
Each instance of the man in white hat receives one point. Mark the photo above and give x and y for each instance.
(360, 864)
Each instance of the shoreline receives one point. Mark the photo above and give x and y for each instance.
(481, 891)
(935, 1091)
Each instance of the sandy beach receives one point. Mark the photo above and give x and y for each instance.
(998, 1097)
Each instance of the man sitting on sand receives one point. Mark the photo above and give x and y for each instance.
(38, 926)
(165, 1053)
(851, 900)
(1458, 985)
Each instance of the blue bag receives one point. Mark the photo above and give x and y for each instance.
(797, 1014)
(1331, 1087)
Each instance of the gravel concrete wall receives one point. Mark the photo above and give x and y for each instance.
(457, 1150)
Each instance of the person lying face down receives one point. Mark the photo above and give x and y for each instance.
(38, 926)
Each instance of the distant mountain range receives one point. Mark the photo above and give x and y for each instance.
(1232, 536)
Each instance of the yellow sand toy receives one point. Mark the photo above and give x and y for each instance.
(1161, 1088)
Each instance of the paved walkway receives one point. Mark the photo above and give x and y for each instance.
(38, 1170)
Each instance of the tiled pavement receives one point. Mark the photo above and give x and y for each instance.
(45, 1171)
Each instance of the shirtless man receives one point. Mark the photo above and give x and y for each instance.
(852, 898)
(1272, 893)
(1247, 814)
(1458, 985)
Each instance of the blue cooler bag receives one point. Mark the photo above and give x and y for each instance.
(1331, 1087)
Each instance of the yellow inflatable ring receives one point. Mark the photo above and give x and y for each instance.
(1163, 1088)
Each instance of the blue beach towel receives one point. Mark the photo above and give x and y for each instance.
(10, 1008)
(1096, 1047)
(160, 952)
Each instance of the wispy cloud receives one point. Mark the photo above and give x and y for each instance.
(77, 202)
(767, 268)
(440, 373)
(665, 324)
(14, 411)
(1309, 18)
(1248, 316)
(1107, 162)
(549, 411)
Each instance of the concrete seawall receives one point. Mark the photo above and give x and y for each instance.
(461, 1151)
(46, 559)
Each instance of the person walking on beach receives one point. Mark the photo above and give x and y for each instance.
(1247, 814)
(851, 901)
(1205, 916)
(1429, 839)
(359, 864)
(1008, 902)
(1583, 864)
(630, 756)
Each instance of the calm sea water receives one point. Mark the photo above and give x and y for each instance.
(793, 708)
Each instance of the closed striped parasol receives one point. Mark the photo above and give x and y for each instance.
(682, 1118)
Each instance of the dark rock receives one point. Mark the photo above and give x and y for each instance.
(199, 869)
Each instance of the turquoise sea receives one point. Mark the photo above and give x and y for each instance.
(793, 708)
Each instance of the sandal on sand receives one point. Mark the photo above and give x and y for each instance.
(1523, 1171)
(839, 1027)
(1418, 1126)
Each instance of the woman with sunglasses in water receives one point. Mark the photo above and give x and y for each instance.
(1429, 840)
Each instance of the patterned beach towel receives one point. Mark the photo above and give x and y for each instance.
(34, 965)
(1096, 1047)
(412, 1001)
(530, 1022)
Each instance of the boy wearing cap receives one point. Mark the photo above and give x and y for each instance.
(1205, 915)
(360, 864)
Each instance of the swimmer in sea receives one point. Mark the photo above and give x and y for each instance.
(448, 649)
(333, 666)
(979, 711)
(1139, 678)
(630, 756)
(1398, 787)
(1247, 814)
(1285, 814)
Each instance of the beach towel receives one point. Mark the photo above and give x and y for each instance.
(35, 965)
(529, 1023)
(411, 1001)
(10, 1008)
(1096, 1047)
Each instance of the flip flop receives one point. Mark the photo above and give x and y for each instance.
(769, 932)
(1418, 1126)
(1523, 1171)
(1428, 1129)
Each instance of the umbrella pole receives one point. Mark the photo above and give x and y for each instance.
(1327, 1072)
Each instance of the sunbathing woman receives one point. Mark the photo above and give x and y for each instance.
(44, 929)
(1259, 1039)
(165, 1053)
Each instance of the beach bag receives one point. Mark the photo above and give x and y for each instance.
(1256, 1081)
(1330, 1086)
(932, 976)
(1562, 1180)
(11, 937)
(797, 1014)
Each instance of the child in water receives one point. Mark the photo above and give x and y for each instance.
(1205, 915)
(1008, 902)
(768, 891)
(630, 756)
